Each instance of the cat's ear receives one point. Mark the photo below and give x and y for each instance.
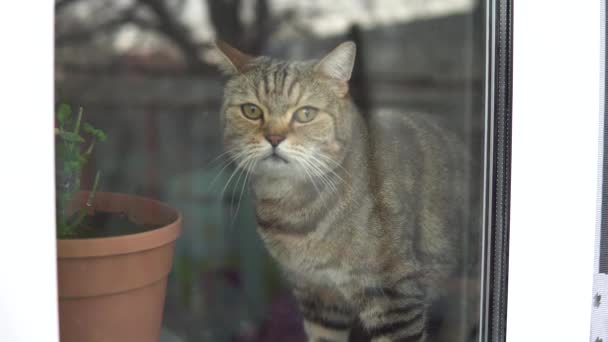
(233, 61)
(338, 65)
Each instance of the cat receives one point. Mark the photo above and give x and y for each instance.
(363, 216)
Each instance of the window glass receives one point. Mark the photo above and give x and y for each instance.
(269, 170)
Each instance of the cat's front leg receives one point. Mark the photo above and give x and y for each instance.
(391, 315)
(319, 332)
(327, 318)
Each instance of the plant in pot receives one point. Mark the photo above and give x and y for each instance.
(114, 251)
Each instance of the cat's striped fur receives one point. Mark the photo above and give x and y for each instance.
(363, 216)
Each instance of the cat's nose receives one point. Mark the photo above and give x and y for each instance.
(274, 140)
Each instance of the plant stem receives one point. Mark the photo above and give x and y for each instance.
(93, 191)
(83, 211)
(77, 127)
(90, 148)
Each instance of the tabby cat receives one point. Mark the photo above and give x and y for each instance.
(364, 216)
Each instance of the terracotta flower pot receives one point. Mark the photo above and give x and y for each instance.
(113, 289)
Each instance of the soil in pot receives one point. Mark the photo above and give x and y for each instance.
(107, 224)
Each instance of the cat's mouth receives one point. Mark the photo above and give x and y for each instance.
(274, 156)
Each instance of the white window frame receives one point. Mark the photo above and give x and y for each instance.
(555, 158)
(556, 117)
(28, 285)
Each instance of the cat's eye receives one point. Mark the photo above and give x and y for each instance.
(305, 114)
(252, 111)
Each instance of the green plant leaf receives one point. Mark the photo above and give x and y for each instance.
(88, 128)
(97, 133)
(101, 136)
(71, 166)
(63, 113)
(69, 136)
(70, 160)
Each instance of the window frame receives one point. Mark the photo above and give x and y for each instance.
(497, 153)
(31, 298)
(28, 290)
(556, 91)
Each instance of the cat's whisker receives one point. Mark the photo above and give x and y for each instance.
(243, 170)
(325, 166)
(332, 171)
(328, 182)
(230, 160)
(234, 158)
(305, 168)
(224, 160)
(234, 212)
(335, 163)
(319, 174)
(222, 155)
(252, 165)
(228, 182)
(312, 180)
(246, 166)
(238, 168)
(319, 166)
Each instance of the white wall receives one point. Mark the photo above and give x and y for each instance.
(28, 295)
(554, 172)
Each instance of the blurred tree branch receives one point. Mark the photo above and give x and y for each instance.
(175, 31)
(85, 34)
(162, 17)
(225, 16)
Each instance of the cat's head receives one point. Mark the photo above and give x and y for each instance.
(287, 119)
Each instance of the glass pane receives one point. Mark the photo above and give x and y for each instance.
(318, 171)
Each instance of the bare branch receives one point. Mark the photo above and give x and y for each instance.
(225, 16)
(86, 34)
(175, 31)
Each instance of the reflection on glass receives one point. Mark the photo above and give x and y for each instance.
(325, 158)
